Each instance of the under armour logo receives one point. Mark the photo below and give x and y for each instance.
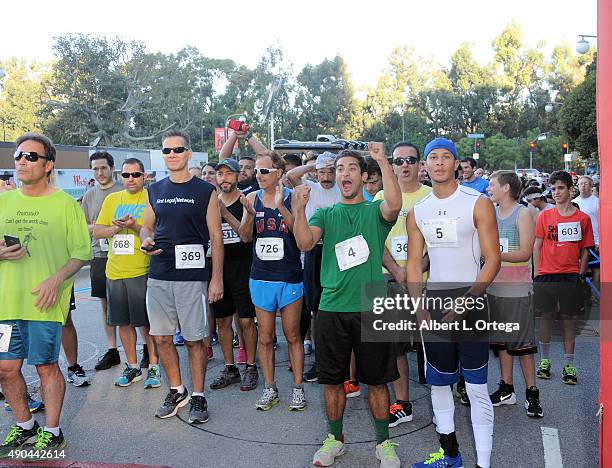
(442, 213)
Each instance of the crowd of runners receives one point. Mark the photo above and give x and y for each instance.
(215, 253)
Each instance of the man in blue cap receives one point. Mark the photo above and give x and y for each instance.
(458, 225)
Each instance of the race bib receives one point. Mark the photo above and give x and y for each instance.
(503, 245)
(399, 247)
(5, 337)
(123, 244)
(352, 252)
(440, 232)
(189, 256)
(103, 244)
(229, 235)
(569, 232)
(270, 248)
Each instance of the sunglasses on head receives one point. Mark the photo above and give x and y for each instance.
(31, 156)
(127, 175)
(177, 150)
(265, 170)
(400, 161)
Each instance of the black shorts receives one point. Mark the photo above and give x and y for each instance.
(517, 310)
(312, 278)
(339, 333)
(72, 300)
(236, 294)
(97, 275)
(127, 302)
(559, 292)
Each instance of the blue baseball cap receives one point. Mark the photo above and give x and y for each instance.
(440, 143)
(231, 164)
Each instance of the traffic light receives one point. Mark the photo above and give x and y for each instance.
(533, 146)
(565, 147)
(477, 146)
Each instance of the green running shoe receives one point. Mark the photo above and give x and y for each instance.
(569, 375)
(543, 371)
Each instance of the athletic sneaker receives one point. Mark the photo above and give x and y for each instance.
(331, 449)
(214, 338)
(440, 460)
(209, 352)
(47, 441)
(504, 395)
(144, 361)
(532, 403)
(77, 376)
(153, 379)
(268, 399)
(18, 438)
(174, 400)
(298, 400)
(311, 374)
(385, 452)
(242, 356)
(307, 347)
(543, 371)
(236, 341)
(111, 358)
(351, 390)
(198, 410)
(178, 339)
(130, 374)
(250, 377)
(33, 405)
(1, 396)
(569, 375)
(228, 375)
(400, 413)
(463, 396)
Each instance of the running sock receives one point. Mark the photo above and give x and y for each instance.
(197, 394)
(271, 385)
(73, 367)
(335, 429)
(26, 426)
(354, 382)
(180, 388)
(52, 430)
(382, 429)
(545, 350)
(251, 365)
(231, 367)
(569, 359)
(133, 365)
(449, 444)
(403, 402)
(443, 408)
(482, 422)
(300, 386)
(151, 366)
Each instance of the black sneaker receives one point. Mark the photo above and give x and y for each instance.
(77, 376)
(400, 412)
(1, 396)
(235, 342)
(311, 374)
(532, 403)
(144, 361)
(228, 376)
(174, 400)
(198, 411)
(17, 438)
(111, 358)
(47, 442)
(504, 395)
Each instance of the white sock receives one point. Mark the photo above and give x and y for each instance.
(26, 426)
(151, 366)
(53, 430)
(545, 350)
(443, 408)
(569, 359)
(133, 366)
(180, 388)
(482, 421)
(197, 393)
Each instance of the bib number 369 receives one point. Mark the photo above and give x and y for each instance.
(189, 256)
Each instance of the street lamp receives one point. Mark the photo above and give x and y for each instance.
(583, 46)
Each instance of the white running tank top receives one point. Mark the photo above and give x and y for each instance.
(447, 224)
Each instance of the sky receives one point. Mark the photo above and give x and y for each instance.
(364, 33)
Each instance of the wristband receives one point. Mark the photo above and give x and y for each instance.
(248, 136)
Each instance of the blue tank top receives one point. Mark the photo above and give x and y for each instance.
(270, 224)
(180, 215)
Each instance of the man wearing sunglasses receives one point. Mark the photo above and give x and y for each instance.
(120, 221)
(406, 168)
(182, 215)
(36, 282)
(102, 164)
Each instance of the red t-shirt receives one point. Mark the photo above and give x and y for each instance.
(562, 256)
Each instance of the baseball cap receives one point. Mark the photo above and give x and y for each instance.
(324, 159)
(231, 164)
(440, 143)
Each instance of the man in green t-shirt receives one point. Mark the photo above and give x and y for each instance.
(45, 243)
(353, 233)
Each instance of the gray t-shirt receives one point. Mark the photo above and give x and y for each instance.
(92, 204)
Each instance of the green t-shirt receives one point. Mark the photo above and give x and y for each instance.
(344, 291)
(54, 230)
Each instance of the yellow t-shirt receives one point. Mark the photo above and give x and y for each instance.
(397, 240)
(125, 259)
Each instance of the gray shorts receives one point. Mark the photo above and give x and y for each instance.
(127, 301)
(170, 303)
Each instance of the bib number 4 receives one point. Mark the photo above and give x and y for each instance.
(352, 252)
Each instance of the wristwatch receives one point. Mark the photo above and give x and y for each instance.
(248, 136)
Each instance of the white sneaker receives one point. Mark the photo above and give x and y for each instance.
(298, 400)
(331, 449)
(385, 452)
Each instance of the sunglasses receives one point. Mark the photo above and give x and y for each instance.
(127, 175)
(400, 161)
(31, 156)
(177, 150)
(265, 170)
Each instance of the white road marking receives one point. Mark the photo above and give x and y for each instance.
(552, 448)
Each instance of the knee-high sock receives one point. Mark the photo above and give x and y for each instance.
(443, 408)
(482, 421)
